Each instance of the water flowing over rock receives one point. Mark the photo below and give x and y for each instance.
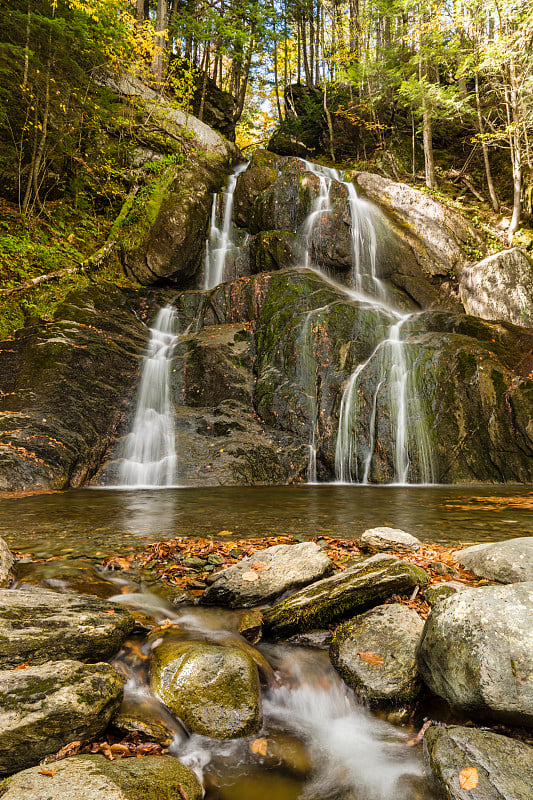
(355, 589)
(476, 650)
(220, 242)
(43, 708)
(506, 562)
(375, 653)
(37, 625)
(504, 766)
(273, 571)
(89, 777)
(500, 287)
(213, 690)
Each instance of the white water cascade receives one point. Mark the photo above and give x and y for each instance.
(220, 241)
(393, 375)
(149, 453)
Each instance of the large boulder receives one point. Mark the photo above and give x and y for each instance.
(93, 777)
(505, 562)
(476, 652)
(504, 766)
(37, 625)
(267, 574)
(355, 589)
(500, 287)
(261, 173)
(43, 708)
(214, 690)
(390, 632)
(6, 564)
(440, 237)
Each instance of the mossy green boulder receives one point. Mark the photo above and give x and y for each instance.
(90, 777)
(356, 589)
(214, 690)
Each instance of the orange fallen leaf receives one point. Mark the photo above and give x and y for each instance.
(49, 772)
(260, 566)
(21, 666)
(468, 778)
(259, 747)
(372, 658)
(250, 576)
(108, 611)
(225, 533)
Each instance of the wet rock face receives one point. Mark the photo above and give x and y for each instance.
(500, 287)
(62, 390)
(37, 625)
(43, 708)
(504, 766)
(6, 563)
(390, 632)
(213, 690)
(274, 571)
(476, 650)
(87, 777)
(355, 589)
(505, 562)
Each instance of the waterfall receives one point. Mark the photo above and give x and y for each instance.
(149, 453)
(395, 395)
(220, 241)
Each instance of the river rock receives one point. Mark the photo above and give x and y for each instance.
(43, 708)
(391, 632)
(500, 287)
(506, 562)
(214, 690)
(504, 766)
(258, 177)
(6, 564)
(37, 625)
(90, 777)
(286, 566)
(342, 595)
(378, 539)
(440, 591)
(476, 652)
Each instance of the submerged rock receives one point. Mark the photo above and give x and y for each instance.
(6, 564)
(500, 287)
(279, 568)
(90, 777)
(37, 625)
(377, 539)
(506, 562)
(214, 690)
(391, 633)
(504, 766)
(45, 707)
(355, 589)
(476, 652)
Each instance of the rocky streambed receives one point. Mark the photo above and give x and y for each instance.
(302, 669)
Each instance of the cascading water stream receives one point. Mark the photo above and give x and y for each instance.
(409, 434)
(149, 454)
(220, 242)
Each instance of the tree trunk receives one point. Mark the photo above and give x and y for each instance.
(488, 174)
(516, 154)
(158, 64)
(429, 163)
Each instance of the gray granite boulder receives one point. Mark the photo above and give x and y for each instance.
(37, 625)
(505, 562)
(43, 708)
(94, 778)
(378, 539)
(213, 690)
(500, 287)
(476, 651)
(279, 568)
(357, 588)
(504, 766)
(390, 632)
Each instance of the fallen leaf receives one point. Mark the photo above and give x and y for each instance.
(468, 778)
(70, 749)
(225, 533)
(372, 658)
(259, 747)
(70, 238)
(21, 666)
(182, 792)
(260, 566)
(108, 611)
(250, 576)
(49, 772)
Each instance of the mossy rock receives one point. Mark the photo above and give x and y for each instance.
(214, 690)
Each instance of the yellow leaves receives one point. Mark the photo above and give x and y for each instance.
(259, 747)
(371, 658)
(468, 778)
(225, 533)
